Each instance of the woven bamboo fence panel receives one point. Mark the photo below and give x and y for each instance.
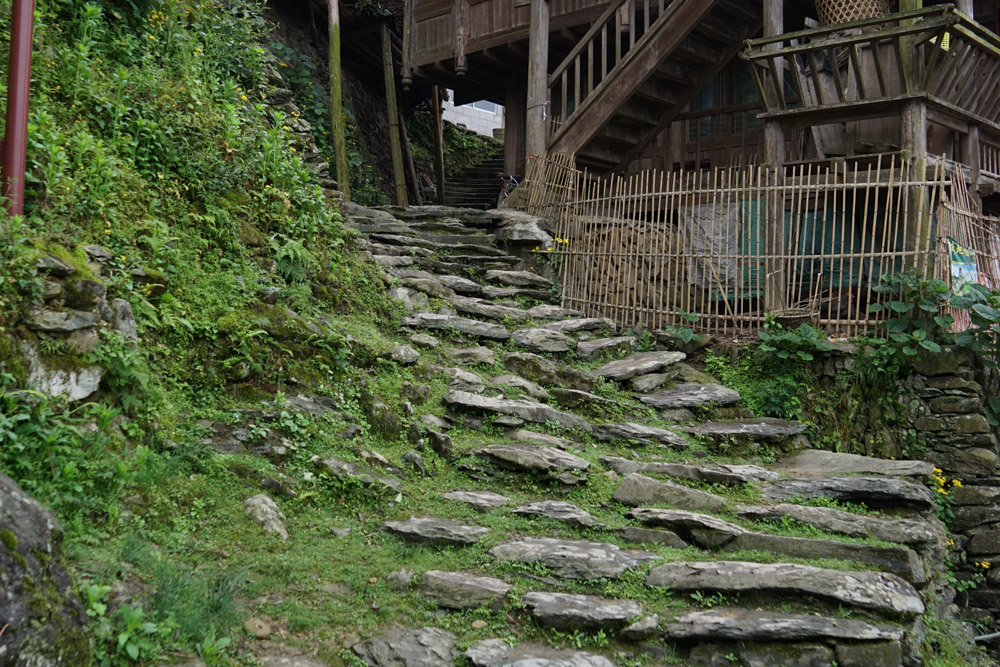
(549, 183)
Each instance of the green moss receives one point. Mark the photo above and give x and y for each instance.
(251, 236)
(77, 258)
(9, 540)
(12, 361)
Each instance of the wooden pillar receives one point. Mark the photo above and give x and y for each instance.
(913, 142)
(676, 139)
(336, 109)
(409, 25)
(536, 130)
(438, 146)
(967, 7)
(392, 115)
(459, 12)
(971, 156)
(774, 157)
(408, 159)
(513, 133)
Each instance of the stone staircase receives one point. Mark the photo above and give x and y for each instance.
(477, 187)
(692, 538)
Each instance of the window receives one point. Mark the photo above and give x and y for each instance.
(485, 105)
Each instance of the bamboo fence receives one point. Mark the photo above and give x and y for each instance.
(549, 183)
(722, 251)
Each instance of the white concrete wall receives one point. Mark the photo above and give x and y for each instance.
(479, 121)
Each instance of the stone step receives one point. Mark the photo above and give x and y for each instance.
(639, 433)
(517, 292)
(591, 349)
(471, 238)
(467, 216)
(435, 531)
(547, 372)
(584, 613)
(823, 463)
(482, 308)
(572, 559)
(745, 625)
(355, 473)
(712, 533)
(760, 429)
(484, 501)
(461, 590)
(703, 472)
(534, 438)
(531, 411)
(498, 653)
(638, 490)
(578, 400)
(640, 363)
(690, 395)
(459, 324)
(461, 285)
(548, 312)
(518, 382)
(409, 646)
(543, 341)
(558, 511)
(403, 250)
(518, 279)
(878, 591)
(546, 461)
(900, 531)
(581, 324)
(879, 492)
(395, 227)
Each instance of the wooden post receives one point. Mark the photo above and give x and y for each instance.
(405, 68)
(774, 158)
(536, 131)
(675, 146)
(410, 169)
(336, 111)
(459, 10)
(913, 141)
(513, 134)
(438, 145)
(392, 115)
(967, 7)
(971, 156)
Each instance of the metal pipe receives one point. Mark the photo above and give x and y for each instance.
(13, 156)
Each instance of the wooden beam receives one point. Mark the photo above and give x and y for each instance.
(392, 115)
(438, 146)
(775, 276)
(513, 134)
(459, 13)
(971, 155)
(536, 130)
(336, 110)
(406, 69)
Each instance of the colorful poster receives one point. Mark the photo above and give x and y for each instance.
(963, 266)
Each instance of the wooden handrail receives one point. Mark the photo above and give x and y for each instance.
(943, 10)
(582, 44)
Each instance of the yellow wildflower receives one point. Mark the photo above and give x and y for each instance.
(956, 482)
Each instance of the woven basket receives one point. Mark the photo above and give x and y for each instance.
(832, 12)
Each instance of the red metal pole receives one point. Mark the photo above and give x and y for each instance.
(15, 144)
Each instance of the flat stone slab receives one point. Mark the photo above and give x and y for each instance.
(459, 590)
(562, 466)
(690, 395)
(738, 624)
(492, 292)
(591, 349)
(640, 433)
(900, 531)
(460, 324)
(872, 491)
(483, 501)
(640, 363)
(481, 308)
(819, 462)
(564, 611)
(764, 428)
(518, 382)
(548, 312)
(347, 470)
(707, 531)
(462, 380)
(547, 372)
(634, 535)
(869, 590)
(498, 653)
(431, 530)
(461, 285)
(636, 490)
(708, 472)
(534, 438)
(526, 410)
(581, 324)
(647, 383)
(558, 511)
(472, 356)
(518, 279)
(572, 559)
(543, 340)
(409, 647)
(572, 398)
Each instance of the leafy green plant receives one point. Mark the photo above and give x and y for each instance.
(915, 320)
(802, 344)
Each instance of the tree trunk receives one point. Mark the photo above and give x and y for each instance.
(336, 111)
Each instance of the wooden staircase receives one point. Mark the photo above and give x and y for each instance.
(640, 64)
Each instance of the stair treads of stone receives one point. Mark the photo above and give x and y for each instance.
(394, 261)
(763, 428)
(900, 531)
(400, 240)
(518, 279)
(533, 438)
(558, 510)
(413, 647)
(572, 398)
(472, 356)
(432, 530)
(526, 410)
(555, 463)
(543, 340)
(462, 380)
(703, 472)
(548, 312)
(640, 363)
(461, 285)
(352, 471)
(483, 308)
(690, 395)
(738, 624)
(636, 490)
(887, 492)
(483, 501)
(572, 559)
(644, 435)
(515, 292)
(581, 324)
(460, 324)
(402, 251)
(823, 463)
(460, 590)
(565, 611)
(712, 533)
(547, 372)
(518, 382)
(634, 535)
(879, 591)
(591, 349)
(498, 653)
